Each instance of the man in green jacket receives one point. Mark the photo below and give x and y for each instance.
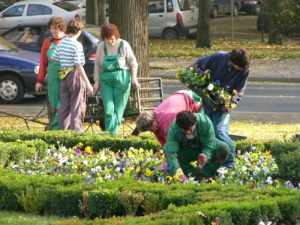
(191, 137)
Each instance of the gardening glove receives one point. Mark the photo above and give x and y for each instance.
(202, 159)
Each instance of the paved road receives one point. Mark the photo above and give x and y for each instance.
(263, 102)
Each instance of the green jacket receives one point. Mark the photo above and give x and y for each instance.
(205, 134)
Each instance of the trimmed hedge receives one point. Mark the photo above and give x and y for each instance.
(71, 139)
(128, 197)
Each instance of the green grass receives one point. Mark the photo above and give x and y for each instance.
(253, 131)
(16, 218)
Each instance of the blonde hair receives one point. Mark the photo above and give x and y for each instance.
(144, 121)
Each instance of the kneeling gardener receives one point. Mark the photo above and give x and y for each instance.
(191, 137)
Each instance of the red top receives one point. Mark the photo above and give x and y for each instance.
(167, 111)
(44, 59)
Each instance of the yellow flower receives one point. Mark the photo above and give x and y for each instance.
(80, 145)
(148, 173)
(130, 154)
(267, 154)
(177, 76)
(88, 150)
(138, 169)
(100, 179)
(169, 178)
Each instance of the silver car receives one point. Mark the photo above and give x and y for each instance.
(25, 12)
(171, 19)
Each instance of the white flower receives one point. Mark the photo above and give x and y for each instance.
(131, 148)
(210, 87)
(98, 168)
(103, 157)
(269, 180)
(261, 223)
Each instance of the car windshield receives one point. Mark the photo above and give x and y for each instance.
(66, 6)
(6, 45)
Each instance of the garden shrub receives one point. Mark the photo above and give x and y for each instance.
(71, 139)
(64, 201)
(33, 199)
(131, 201)
(177, 198)
(287, 157)
(103, 203)
(150, 203)
(290, 210)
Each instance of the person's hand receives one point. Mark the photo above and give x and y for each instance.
(90, 88)
(225, 109)
(202, 159)
(38, 87)
(96, 87)
(183, 178)
(136, 83)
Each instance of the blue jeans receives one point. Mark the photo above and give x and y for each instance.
(221, 121)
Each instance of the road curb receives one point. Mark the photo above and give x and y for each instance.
(253, 78)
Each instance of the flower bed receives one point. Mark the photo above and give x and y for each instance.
(253, 168)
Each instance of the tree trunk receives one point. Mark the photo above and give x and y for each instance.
(131, 18)
(95, 12)
(203, 38)
(273, 16)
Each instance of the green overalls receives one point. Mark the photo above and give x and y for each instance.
(115, 85)
(181, 150)
(53, 86)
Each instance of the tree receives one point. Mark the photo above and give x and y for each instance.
(203, 37)
(96, 12)
(131, 18)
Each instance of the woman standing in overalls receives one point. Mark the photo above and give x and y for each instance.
(116, 67)
(57, 27)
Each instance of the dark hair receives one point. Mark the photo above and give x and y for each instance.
(109, 30)
(185, 120)
(57, 22)
(74, 26)
(240, 57)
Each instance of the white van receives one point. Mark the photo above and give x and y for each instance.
(171, 19)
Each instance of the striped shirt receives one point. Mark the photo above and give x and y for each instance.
(69, 52)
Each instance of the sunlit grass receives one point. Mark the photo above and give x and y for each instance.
(253, 131)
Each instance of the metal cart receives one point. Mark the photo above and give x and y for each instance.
(145, 98)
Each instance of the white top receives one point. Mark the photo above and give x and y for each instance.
(129, 61)
(69, 52)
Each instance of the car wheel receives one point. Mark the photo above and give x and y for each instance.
(11, 89)
(214, 12)
(170, 34)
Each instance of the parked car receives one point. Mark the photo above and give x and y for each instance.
(88, 40)
(251, 7)
(218, 7)
(25, 12)
(170, 19)
(79, 3)
(18, 71)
